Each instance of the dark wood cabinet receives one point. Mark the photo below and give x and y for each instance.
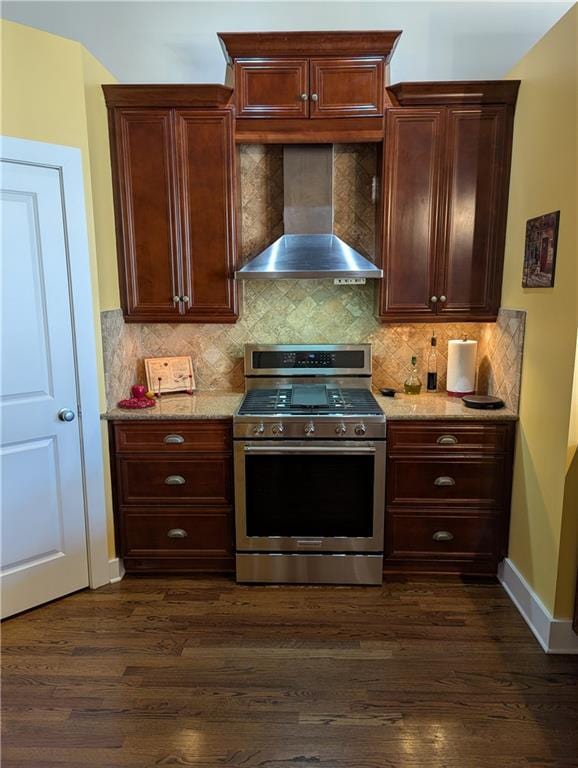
(148, 240)
(172, 484)
(309, 87)
(412, 176)
(350, 87)
(448, 495)
(446, 175)
(293, 88)
(272, 88)
(477, 152)
(174, 184)
(316, 88)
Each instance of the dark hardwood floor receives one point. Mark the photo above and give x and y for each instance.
(206, 673)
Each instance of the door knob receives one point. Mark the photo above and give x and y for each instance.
(65, 414)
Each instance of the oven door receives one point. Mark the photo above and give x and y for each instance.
(304, 496)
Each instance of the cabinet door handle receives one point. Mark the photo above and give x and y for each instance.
(443, 536)
(177, 533)
(185, 299)
(175, 480)
(172, 439)
(304, 97)
(443, 298)
(444, 481)
(314, 97)
(176, 299)
(447, 440)
(434, 299)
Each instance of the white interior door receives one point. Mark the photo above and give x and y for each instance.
(44, 548)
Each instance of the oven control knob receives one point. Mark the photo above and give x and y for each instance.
(360, 429)
(258, 429)
(309, 428)
(277, 429)
(340, 429)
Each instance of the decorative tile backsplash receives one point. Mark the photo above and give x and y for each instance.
(500, 357)
(309, 311)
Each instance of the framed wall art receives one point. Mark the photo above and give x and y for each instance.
(169, 374)
(540, 251)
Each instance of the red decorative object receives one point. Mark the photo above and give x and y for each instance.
(137, 402)
(138, 391)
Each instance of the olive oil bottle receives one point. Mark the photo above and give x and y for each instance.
(412, 385)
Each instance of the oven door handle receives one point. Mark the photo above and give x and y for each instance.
(307, 449)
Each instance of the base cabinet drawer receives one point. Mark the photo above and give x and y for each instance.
(446, 482)
(202, 480)
(169, 533)
(448, 437)
(174, 437)
(431, 536)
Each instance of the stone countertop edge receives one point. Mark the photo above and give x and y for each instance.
(430, 406)
(223, 404)
(201, 405)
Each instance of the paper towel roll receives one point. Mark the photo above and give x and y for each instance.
(461, 379)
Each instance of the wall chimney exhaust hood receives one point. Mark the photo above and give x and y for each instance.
(308, 249)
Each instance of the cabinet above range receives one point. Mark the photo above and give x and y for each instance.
(304, 76)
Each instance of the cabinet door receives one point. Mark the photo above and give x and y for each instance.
(346, 87)
(412, 163)
(205, 162)
(145, 213)
(272, 87)
(476, 184)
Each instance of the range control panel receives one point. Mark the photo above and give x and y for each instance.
(297, 360)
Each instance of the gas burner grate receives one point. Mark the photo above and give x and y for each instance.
(355, 402)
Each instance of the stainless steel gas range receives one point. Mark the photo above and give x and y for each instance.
(309, 466)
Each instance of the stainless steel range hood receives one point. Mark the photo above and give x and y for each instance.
(308, 249)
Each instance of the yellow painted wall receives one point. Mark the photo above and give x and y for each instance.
(544, 164)
(51, 92)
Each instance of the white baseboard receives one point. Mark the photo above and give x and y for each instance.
(115, 570)
(554, 635)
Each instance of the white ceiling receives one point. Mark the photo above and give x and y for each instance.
(155, 42)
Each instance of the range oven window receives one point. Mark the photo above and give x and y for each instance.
(309, 495)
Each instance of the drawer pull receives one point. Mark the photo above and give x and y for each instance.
(175, 480)
(443, 536)
(444, 482)
(171, 439)
(447, 440)
(178, 533)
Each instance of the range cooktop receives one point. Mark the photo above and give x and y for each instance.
(309, 400)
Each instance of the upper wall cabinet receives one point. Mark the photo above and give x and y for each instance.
(174, 181)
(303, 76)
(291, 88)
(446, 176)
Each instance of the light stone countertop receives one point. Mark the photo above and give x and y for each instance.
(210, 404)
(215, 404)
(436, 405)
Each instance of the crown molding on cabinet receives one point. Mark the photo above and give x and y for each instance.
(253, 45)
